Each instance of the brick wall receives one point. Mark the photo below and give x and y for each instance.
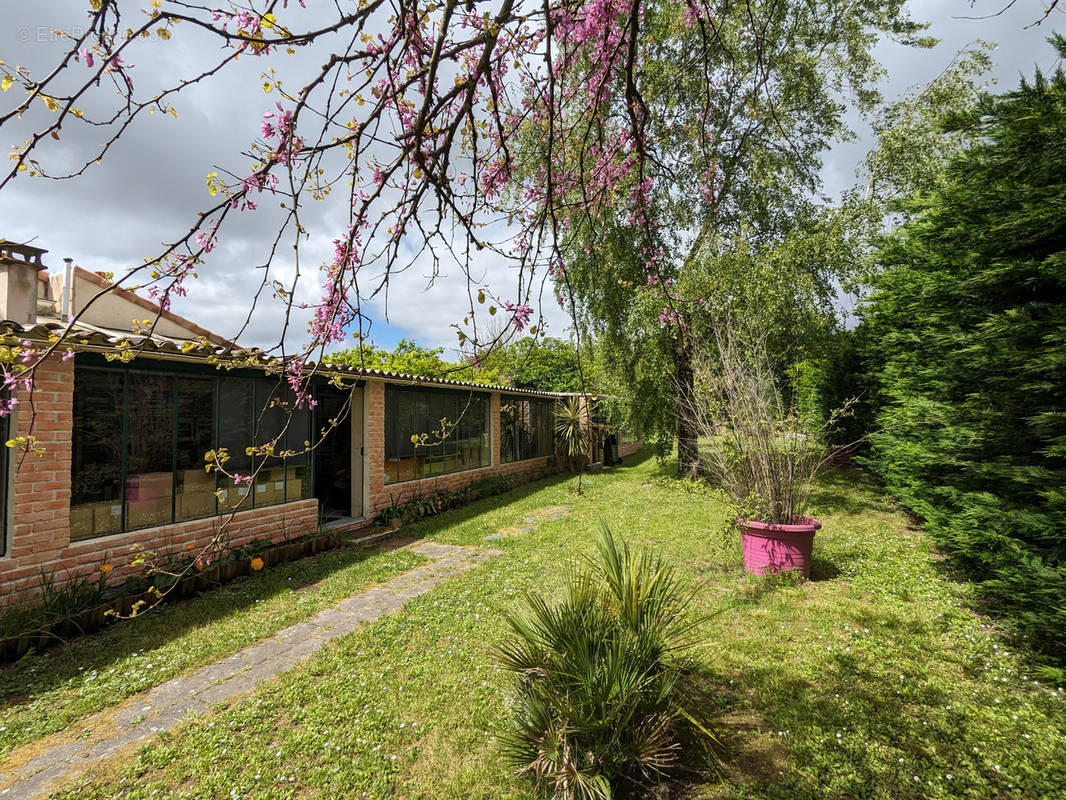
(38, 529)
(39, 494)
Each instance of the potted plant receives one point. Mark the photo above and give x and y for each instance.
(763, 450)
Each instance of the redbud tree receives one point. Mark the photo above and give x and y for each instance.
(611, 148)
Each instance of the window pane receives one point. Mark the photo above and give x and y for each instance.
(196, 435)
(96, 456)
(454, 423)
(270, 414)
(297, 467)
(235, 434)
(150, 471)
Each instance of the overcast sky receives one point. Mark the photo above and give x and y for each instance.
(149, 187)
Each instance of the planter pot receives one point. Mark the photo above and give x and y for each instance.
(771, 548)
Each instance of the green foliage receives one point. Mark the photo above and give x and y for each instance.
(734, 219)
(966, 338)
(407, 357)
(608, 702)
(419, 506)
(544, 363)
(573, 432)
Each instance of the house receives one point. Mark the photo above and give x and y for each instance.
(122, 440)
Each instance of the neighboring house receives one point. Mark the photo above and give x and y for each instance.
(124, 441)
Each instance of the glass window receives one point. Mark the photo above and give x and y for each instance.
(139, 439)
(96, 453)
(526, 428)
(150, 434)
(451, 427)
(195, 422)
(298, 466)
(271, 411)
(235, 420)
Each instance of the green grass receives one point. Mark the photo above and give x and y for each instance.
(877, 679)
(50, 691)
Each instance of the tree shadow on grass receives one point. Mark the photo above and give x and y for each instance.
(858, 729)
(836, 493)
(38, 673)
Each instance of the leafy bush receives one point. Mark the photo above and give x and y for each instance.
(608, 700)
(966, 333)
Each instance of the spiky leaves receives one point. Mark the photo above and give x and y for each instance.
(608, 698)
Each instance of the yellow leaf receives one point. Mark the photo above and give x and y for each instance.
(162, 33)
(77, 112)
(172, 112)
(5, 83)
(480, 296)
(267, 88)
(50, 103)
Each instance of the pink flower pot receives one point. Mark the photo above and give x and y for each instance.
(771, 548)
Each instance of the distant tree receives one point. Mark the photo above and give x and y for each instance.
(407, 357)
(738, 104)
(545, 364)
(966, 338)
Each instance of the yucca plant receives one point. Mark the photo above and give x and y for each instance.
(573, 432)
(608, 698)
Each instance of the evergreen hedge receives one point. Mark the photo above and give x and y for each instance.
(965, 342)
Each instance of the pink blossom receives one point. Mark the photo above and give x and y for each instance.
(519, 315)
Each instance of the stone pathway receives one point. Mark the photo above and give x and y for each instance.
(64, 758)
(530, 523)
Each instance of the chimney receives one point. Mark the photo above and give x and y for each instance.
(19, 265)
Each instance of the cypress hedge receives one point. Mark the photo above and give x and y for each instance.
(965, 342)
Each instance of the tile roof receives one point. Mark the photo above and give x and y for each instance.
(96, 337)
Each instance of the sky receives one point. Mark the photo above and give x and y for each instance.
(148, 188)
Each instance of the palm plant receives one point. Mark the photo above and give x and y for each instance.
(608, 698)
(573, 432)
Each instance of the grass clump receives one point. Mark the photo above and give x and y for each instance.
(608, 698)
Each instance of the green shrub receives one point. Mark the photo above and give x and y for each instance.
(966, 338)
(608, 700)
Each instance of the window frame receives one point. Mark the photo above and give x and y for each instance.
(255, 380)
(541, 411)
(396, 446)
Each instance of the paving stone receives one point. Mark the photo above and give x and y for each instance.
(163, 707)
(492, 537)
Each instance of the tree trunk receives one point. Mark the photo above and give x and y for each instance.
(688, 460)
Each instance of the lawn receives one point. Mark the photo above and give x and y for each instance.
(877, 679)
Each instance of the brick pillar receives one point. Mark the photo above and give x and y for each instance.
(40, 520)
(374, 442)
(494, 428)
